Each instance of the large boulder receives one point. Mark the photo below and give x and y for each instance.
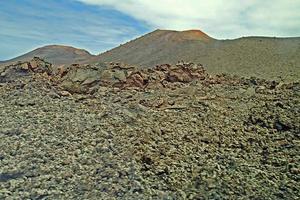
(80, 78)
(85, 78)
(185, 72)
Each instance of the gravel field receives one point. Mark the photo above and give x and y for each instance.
(195, 140)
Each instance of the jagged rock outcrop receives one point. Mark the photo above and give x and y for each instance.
(84, 78)
(22, 69)
(87, 78)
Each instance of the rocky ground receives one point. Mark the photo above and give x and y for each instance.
(170, 132)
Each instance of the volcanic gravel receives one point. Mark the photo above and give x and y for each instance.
(194, 140)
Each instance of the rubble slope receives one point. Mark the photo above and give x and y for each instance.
(110, 131)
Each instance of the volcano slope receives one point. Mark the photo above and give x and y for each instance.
(169, 132)
(263, 57)
(56, 54)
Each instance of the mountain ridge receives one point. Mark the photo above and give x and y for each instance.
(264, 57)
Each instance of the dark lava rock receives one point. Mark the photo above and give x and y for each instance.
(9, 176)
(22, 69)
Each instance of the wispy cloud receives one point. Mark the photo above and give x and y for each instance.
(28, 24)
(220, 18)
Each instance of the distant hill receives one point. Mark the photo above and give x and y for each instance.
(55, 54)
(263, 57)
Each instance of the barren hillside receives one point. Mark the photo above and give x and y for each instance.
(251, 56)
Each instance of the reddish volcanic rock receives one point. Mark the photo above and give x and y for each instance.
(191, 35)
(136, 79)
(11, 73)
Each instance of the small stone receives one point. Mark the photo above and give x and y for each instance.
(171, 102)
(120, 75)
(90, 80)
(194, 120)
(67, 175)
(128, 114)
(102, 89)
(53, 95)
(66, 161)
(250, 91)
(64, 93)
(295, 171)
(157, 130)
(33, 64)
(24, 66)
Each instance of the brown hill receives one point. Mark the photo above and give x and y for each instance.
(55, 54)
(270, 58)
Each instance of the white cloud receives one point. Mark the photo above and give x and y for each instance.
(219, 18)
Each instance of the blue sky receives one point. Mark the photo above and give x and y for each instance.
(98, 25)
(27, 24)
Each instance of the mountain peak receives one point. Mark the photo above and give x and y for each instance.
(65, 48)
(179, 36)
(56, 54)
